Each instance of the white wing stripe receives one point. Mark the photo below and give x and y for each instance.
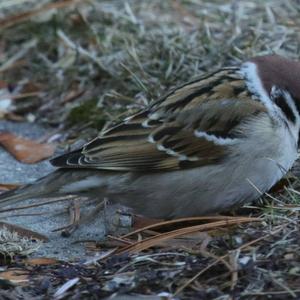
(216, 140)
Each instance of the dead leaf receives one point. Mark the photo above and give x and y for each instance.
(23, 231)
(25, 150)
(15, 276)
(7, 187)
(40, 261)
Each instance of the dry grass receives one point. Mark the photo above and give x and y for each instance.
(122, 56)
(94, 61)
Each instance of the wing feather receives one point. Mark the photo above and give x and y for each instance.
(189, 127)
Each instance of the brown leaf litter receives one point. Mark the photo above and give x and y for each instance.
(25, 150)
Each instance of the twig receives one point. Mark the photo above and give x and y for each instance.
(25, 95)
(260, 192)
(127, 242)
(152, 241)
(268, 293)
(180, 289)
(286, 288)
(187, 283)
(13, 20)
(60, 199)
(233, 258)
(221, 259)
(10, 3)
(88, 217)
(74, 218)
(83, 52)
(178, 221)
(23, 50)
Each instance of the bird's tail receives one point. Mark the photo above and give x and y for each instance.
(29, 191)
(45, 187)
(50, 186)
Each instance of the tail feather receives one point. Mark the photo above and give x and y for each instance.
(22, 193)
(50, 186)
(43, 187)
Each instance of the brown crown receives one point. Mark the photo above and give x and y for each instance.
(279, 71)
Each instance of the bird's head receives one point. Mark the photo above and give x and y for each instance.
(275, 79)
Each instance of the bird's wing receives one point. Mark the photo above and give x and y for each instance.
(190, 127)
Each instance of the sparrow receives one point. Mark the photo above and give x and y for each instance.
(207, 146)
